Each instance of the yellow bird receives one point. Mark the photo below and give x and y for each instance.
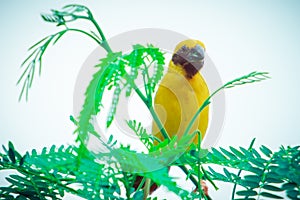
(180, 94)
(182, 91)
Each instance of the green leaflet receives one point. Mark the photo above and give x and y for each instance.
(141, 132)
(270, 195)
(266, 151)
(246, 193)
(94, 93)
(113, 74)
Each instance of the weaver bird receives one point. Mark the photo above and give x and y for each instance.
(182, 91)
(180, 94)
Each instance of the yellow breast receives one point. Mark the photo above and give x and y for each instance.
(177, 100)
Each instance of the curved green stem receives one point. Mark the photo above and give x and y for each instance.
(191, 177)
(240, 171)
(148, 103)
(104, 42)
(147, 188)
(141, 184)
(158, 123)
(249, 78)
(199, 164)
(196, 115)
(86, 33)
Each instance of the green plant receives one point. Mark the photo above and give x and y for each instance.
(111, 175)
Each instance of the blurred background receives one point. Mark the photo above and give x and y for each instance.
(240, 37)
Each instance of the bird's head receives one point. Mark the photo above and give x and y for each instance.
(189, 54)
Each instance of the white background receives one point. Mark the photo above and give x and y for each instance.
(240, 37)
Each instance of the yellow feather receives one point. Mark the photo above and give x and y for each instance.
(178, 98)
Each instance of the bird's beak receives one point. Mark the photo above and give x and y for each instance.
(196, 54)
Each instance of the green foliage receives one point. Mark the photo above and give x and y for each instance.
(53, 172)
(113, 73)
(159, 156)
(249, 78)
(266, 174)
(140, 131)
(108, 68)
(68, 14)
(34, 60)
(161, 177)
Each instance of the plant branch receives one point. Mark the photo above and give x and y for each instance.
(31, 173)
(240, 171)
(249, 78)
(86, 33)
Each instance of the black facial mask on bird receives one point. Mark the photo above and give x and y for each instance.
(191, 59)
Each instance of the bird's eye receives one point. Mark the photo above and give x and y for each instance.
(184, 48)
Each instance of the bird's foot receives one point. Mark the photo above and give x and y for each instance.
(204, 189)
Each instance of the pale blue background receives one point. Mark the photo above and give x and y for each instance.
(240, 36)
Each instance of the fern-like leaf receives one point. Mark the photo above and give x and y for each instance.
(141, 132)
(64, 16)
(249, 78)
(94, 93)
